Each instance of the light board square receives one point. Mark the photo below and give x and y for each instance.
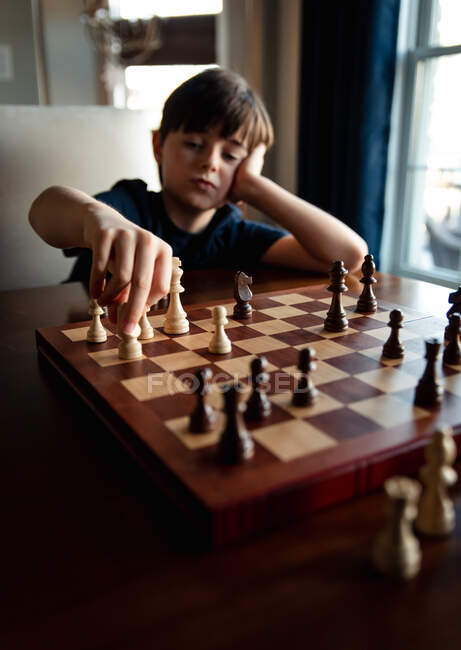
(240, 366)
(273, 327)
(453, 383)
(388, 410)
(195, 341)
(285, 311)
(155, 384)
(323, 404)
(260, 344)
(208, 325)
(78, 334)
(323, 374)
(327, 349)
(178, 360)
(291, 299)
(321, 331)
(377, 354)
(180, 427)
(349, 314)
(293, 439)
(383, 333)
(106, 358)
(388, 379)
(346, 300)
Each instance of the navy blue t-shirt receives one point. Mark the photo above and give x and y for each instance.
(228, 240)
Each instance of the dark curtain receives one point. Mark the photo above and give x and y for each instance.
(347, 77)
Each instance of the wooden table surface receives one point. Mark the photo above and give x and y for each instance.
(94, 557)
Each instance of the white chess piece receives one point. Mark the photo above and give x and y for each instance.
(220, 342)
(176, 318)
(96, 332)
(147, 331)
(130, 348)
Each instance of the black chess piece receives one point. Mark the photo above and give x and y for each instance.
(336, 320)
(258, 405)
(235, 444)
(455, 300)
(305, 392)
(203, 417)
(452, 352)
(367, 303)
(393, 348)
(242, 295)
(428, 393)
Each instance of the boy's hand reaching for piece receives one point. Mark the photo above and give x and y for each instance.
(249, 168)
(140, 264)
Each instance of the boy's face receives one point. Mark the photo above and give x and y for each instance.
(198, 168)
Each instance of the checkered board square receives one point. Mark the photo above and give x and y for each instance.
(362, 428)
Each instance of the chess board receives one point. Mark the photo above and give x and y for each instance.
(362, 428)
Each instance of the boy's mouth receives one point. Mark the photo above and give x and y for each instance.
(203, 184)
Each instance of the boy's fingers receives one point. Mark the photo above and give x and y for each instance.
(101, 255)
(124, 249)
(140, 287)
(162, 277)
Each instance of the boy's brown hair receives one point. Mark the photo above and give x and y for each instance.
(218, 97)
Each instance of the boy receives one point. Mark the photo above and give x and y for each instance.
(210, 150)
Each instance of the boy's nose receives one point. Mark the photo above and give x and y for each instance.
(210, 160)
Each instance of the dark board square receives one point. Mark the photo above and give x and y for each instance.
(241, 333)
(257, 317)
(233, 354)
(364, 323)
(276, 416)
(186, 375)
(343, 423)
(132, 369)
(311, 306)
(307, 320)
(261, 302)
(297, 337)
(350, 390)
(354, 363)
(198, 314)
(157, 348)
(172, 406)
(280, 382)
(283, 358)
(359, 341)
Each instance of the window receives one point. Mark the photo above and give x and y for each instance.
(423, 221)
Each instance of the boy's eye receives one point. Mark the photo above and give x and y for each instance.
(230, 156)
(192, 145)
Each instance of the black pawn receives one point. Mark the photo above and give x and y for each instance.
(393, 349)
(428, 392)
(235, 444)
(203, 417)
(336, 320)
(455, 300)
(452, 352)
(367, 303)
(258, 405)
(305, 392)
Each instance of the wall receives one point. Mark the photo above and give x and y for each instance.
(16, 31)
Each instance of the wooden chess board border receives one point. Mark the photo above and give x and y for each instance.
(264, 493)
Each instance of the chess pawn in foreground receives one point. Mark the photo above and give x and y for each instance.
(455, 300)
(203, 417)
(96, 332)
(147, 331)
(428, 392)
(129, 348)
(336, 320)
(305, 394)
(367, 301)
(452, 352)
(258, 405)
(176, 318)
(220, 342)
(242, 295)
(436, 514)
(396, 551)
(235, 444)
(393, 348)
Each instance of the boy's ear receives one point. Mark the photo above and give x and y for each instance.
(157, 146)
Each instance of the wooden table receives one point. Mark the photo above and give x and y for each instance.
(94, 557)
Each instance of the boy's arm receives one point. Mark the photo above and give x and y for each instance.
(317, 239)
(140, 262)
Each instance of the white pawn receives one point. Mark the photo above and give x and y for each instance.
(130, 348)
(176, 318)
(96, 332)
(147, 331)
(436, 514)
(397, 551)
(220, 342)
